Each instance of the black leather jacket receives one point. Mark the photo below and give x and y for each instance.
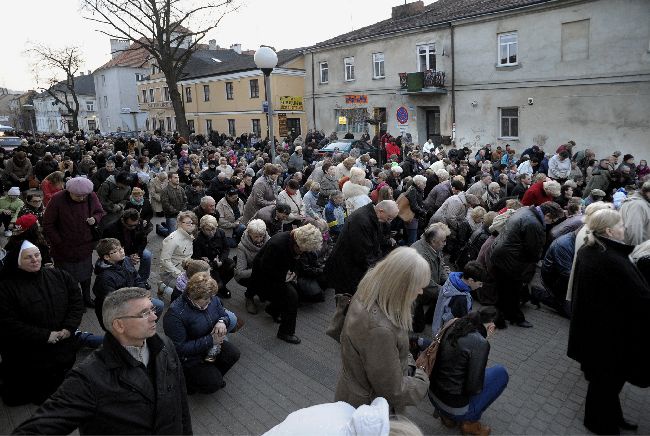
(459, 370)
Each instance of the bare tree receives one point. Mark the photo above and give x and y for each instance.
(162, 28)
(52, 63)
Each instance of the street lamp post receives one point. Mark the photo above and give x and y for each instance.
(266, 59)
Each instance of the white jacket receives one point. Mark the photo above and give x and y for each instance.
(356, 196)
(175, 249)
(295, 202)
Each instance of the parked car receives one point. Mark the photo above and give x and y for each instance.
(8, 143)
(345, 145)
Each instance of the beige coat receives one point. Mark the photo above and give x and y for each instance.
(156, 187)
(295, 203)
(175, 249)
(262, 194)
(375, 355)
(227, 220)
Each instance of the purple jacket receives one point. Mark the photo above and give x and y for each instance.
(65, 226)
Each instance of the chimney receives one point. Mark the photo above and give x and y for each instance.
(212, 44)
(81, 73)
(407, 10)
(118, 46)
(236, 48)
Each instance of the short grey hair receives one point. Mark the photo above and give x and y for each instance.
(206, 199)
(420, 180)
(116, 304)
(256, 226)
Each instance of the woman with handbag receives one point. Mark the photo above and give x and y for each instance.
(608, 288)
(374, 340)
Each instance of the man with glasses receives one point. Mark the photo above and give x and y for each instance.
(134, 384)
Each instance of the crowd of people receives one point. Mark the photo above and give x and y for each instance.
(409, 235)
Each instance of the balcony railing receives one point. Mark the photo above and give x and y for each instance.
(415, 82)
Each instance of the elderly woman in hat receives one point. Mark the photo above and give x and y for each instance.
(27, 228)
(40, 310)
(68, 225)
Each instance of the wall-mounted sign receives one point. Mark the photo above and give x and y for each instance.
(343, 120)
(402, 115)
(291, 103)
(356, 99)
(282, 124)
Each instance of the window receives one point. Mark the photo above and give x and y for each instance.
(92, 125)
(152, 95)
(229, 91)
(139, 76)
(324, 72)
(190, 125)
(154, 69)
(146, 124)
(509, 122)
(349, 68)
(426, 57)
(378, 66)
(257, 127)
(255, 88)
(169, 123)
(231, 128)
(166, 95)
(188, 95)
(103, 80)
(105, 102)
(355, 120)
(144, 96)
(108, 122)
(208, 126)
(206, 92)
(508, 48)
(90, 106)
(575, 40)
(161, 125)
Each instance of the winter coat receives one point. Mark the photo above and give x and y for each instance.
(356, 196)
(173, 200)
(600, 179)
(49, 189)
(65, 226)
(296, 161)
(535, 195)
(245, 253)
(227, 219)
(190, 328)
(134, 241)
(610, 305)
(341, 171)
(479, 188)
(155, 194)
(437, 196)
(312, 209)
(335, 217)
(415, 197)
(521, 242)
(375, 361)
(328, 185)
(193, 196)
(109, 277)
(295, 203)
(44, 168)
(357, 249)
(272, 263)
(436, 265)
(636, 216)
(112, 198)
(175, 249)
(203, 246)
(15, 172)
(454, 301)
(12, 204)
(263, 194)
(110, 393)
(452, 212)
(558, 169)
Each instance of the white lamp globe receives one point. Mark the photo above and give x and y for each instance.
(265, 58)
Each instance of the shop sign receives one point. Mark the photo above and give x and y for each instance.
(291, 103)
(356, 99)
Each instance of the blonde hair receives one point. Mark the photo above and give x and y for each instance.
(477, 213)
(599, 222)
(595, 207)
(442, 174)
(308, 238)
(186, 214)
(393, 284)
(193, 266)
(552, 188)
(357, 176)
(208, 221)
(200, 286)
(402, 426)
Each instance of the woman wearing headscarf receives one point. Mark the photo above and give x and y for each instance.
(40, 310)
(67, 225)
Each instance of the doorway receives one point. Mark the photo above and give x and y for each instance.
(293, 127)
(433, 125)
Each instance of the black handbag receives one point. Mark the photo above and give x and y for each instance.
(95, 230)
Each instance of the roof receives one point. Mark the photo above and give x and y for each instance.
(442, 11)
(83, 85)
(135, 57)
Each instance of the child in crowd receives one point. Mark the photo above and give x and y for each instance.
(335, 214)
(10, 204)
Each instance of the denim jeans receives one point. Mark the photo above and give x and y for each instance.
(170, 223)
(232, 320)
(496, 380)
(158, 305)
(145, 265)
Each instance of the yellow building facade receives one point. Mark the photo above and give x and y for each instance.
(231, 102)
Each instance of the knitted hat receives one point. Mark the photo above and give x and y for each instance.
(26, 221)
(79, 186)
(14, 190)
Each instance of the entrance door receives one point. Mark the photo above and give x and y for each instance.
(293, 127)
(433, 125)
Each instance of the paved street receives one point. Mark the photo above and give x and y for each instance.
(545, 394)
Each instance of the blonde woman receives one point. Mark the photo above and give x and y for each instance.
(175, 249)
(610, 305)
(274, 274)
(374, 340)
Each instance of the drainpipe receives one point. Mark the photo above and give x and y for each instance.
(313, 95)
(453, 79)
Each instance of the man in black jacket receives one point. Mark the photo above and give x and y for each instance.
(134, 384)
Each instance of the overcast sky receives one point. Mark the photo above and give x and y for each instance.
(279, 23)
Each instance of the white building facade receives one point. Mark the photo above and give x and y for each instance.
(53, 117)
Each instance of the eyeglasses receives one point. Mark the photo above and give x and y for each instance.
(145, 314)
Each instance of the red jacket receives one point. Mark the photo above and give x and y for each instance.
(48, 191)
(535, 195)
(392, 149)
(65, 226)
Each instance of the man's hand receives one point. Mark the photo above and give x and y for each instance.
(135, 259)
(291, 276)
(91, 221)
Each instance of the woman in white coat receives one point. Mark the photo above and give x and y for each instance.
(355, 191)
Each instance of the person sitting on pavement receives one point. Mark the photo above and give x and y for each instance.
(134, 352)
(335, 214)
(197, 324)
(194, 192)
(462, 387)
(156, 185)
(52, 184)
(274, 271)
(173, 201)
(211, 246)
(175, 248)
(252, 241)
(33, 205)
(541, 192)
(114, 270)
(263, 193)
(229, 210)
(10, 205)
(112, 194)
(274, 216)
(455, 296)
